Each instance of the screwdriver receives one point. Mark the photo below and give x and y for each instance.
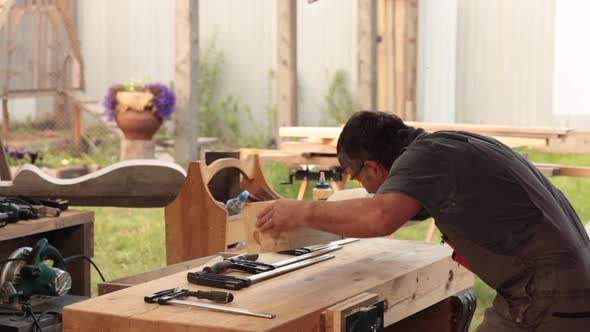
(214, 296)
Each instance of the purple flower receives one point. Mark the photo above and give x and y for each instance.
(6, 149)
(109, 102)
(165, 99)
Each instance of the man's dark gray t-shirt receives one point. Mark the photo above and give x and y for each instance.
(496, 207)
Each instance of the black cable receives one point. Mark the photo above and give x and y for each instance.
(29, 312)
(71, 258)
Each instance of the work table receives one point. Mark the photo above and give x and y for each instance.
(410, 275)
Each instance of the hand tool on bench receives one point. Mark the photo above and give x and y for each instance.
(246, 263)
(306, 250)
(162, 297)
(172, 297)
(236, 283)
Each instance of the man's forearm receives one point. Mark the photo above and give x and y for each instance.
(363, 217)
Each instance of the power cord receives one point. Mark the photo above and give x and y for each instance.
(71, 258)
(67, 260)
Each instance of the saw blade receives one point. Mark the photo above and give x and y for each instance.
(10, 270)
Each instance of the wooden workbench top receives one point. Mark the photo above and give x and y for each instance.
(410, 275)
(34, 226)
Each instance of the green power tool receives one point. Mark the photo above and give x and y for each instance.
(27, 274)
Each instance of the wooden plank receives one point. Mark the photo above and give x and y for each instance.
(410, 275)
(78, 127)
(574, 171)
(186, 79)
(263, 242)
(35, 226)
(5, 119)
(122, 283)
(324, 132)
(366, 54)
(399, 57)
(66, 9)
(6, 7)
(133, 183)
(279, 156)
(286, 63)
(305, 147)
(411, 42)
(501, 131)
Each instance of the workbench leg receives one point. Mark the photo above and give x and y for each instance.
(302, 189)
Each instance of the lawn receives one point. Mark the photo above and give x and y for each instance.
(130, 241)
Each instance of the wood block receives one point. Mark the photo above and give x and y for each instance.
(263, 242)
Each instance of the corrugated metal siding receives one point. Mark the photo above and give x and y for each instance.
(327, 42)
(505, 63)
(437, 31)
(123, 40)
(135, 39)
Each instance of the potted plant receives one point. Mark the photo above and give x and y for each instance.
(139, 109)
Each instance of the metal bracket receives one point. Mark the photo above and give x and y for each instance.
(368, 318)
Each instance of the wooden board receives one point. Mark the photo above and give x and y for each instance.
(410, 275)
(34, 226)
(132, 183)
(264, 242)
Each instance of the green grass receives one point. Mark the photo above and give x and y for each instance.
(131, 241)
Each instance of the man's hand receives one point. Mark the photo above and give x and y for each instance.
(283, 215)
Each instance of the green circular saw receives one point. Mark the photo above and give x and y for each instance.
(27, 273)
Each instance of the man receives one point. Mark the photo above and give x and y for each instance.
(509, 224)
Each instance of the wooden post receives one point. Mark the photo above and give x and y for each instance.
(5, 174)
(367, 53)
(5, 119)
(287, 63)
(186, 129)
(397, 26)
(385, 57)
(411, 60)
(137, 149)
(77, 125)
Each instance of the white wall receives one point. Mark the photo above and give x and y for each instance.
(437, 41)
(479, 61)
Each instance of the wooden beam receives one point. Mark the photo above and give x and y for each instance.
(186, 80)
(367, 55)
(66, 9)
(411, 42)
(286, 63)
(6, 7)
(5, 174)
(400, 47)
(5, 119)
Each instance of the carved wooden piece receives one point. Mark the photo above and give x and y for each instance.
(196, 224)
(138, 183)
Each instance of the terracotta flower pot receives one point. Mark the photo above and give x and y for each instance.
(138, 125)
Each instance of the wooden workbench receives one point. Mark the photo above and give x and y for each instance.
(72, 233)
(410, 275)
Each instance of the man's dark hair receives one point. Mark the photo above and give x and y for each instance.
(375, 136)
